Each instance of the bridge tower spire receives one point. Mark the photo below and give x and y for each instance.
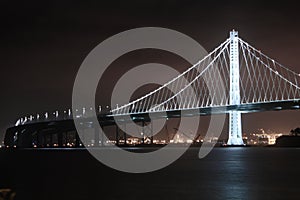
(235, 123)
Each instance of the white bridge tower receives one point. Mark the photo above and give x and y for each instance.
(235, 123)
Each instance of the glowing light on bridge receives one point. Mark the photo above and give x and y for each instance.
(234, 74)
(234, 78)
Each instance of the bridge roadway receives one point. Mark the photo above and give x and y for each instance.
(244, 108)
(64, 125)
(109, 119)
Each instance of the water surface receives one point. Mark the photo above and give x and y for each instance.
(226, 173)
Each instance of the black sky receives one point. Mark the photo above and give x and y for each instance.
(43, 44)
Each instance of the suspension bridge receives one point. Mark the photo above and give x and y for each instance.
(234, 78)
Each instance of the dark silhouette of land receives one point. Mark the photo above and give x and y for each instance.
(292, 140)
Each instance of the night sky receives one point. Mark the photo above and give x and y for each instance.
(43, 44)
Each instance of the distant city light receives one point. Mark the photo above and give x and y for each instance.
(262, 138)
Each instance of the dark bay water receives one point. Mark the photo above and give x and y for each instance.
(226, 173)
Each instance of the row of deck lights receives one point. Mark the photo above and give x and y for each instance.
(56, 115)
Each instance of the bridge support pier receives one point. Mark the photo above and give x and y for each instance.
(96, 137)
(117, 135)
(124, 135)
(235, 129)
(143, 132)
(235, 123)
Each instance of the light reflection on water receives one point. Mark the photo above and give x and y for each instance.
(244, 173)
(226, 173)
